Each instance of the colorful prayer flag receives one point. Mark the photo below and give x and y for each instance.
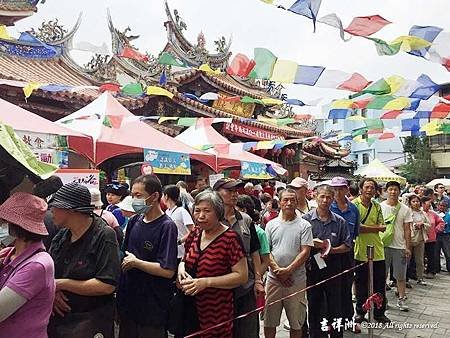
(133, 89)
(308, 8)
(130, 53)
(366, 25)
(30, 87)
(338, 114)
(153, 90)
(355, 83)
(264, 63)
(428, 33)
(391, 115)
(284, 71)
(410, 43)
(240, 66)
(4, 33)
(379, 102)
(308, 75)
(168, 59)
(398, 104)
(426, 89)
(378, 88)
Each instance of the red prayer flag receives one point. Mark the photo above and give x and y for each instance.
(241, 66)
(446, 63)
(131, 53)
(375, 131)
(355, 83)
(391, 115)
(110, 87)
(361, 104)
(232, 99)
(366, 25)
(386, 136)
(204, 122)
(441, 107)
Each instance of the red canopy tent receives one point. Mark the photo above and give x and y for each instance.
(23, 120)
(116, 131)
(228, 154)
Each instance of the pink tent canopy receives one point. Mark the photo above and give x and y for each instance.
(116, 131)
(23, 120)
(228, 154)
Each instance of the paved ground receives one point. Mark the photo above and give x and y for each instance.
(429, 305)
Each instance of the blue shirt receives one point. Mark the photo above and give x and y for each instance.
(335, 229)
(351, 215)
(115, 210)
(142, 297)
(447, 222)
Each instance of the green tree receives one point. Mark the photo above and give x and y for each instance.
(419, 167)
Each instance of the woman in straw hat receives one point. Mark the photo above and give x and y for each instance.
(27, 285)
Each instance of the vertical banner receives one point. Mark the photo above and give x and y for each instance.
(253, 170)
(167, 162)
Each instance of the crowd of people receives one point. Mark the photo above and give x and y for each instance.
(160, 259)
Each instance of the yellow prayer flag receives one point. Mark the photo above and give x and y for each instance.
(264, 145)
(398, 104)
(154, 90)
(4, 33)
(270, 2)
(207, 69)
(356, 118)
(395, 82)
(267, 120)
(432, 128)
(359, 139)
(342, 104)
(284, 71)
(164, 119)
(270, 101)
(410, 43)
(29, 87)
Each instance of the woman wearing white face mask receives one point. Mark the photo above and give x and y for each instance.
(151, 260)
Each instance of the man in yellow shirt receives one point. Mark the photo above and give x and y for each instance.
(372, 223)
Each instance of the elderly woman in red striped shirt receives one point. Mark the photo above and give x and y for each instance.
(213, 265)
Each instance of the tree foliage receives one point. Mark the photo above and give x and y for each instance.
(419, 167)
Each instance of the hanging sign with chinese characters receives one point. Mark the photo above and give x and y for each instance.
(236, 108)
(240, 129)
(256, 171)
(167, 162)
(87, 177)
(48, 148)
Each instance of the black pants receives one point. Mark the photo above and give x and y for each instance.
(379, 286)
(348, 261)
(443, 242)
(433, 258)
(325, 300)
(247, 327)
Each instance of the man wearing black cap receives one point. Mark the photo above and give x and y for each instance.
(87, 267)
(245, 299)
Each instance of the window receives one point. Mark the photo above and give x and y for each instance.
(365, 159)
(356, 158)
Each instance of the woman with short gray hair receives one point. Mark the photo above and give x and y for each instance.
(213, 265)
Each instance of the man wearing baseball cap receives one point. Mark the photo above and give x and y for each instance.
(348, 211)
(300, 185)
(87, 266)
(240, 222)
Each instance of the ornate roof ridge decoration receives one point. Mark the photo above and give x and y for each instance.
(148, 71)
(194, 55)
(15, 10)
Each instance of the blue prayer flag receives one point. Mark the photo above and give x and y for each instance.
(428, 33)
(338, 114)
(308, 75)
(427, 88)
(422, 114)
(308, 8)
(410, 124)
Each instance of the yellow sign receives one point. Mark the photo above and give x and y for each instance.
(236, 108)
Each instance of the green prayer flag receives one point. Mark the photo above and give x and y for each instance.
(187, 121)
(285, 121)
(168, 59)
(14, 146)
(264, 63)
(379, 102)
(445, 128)
(248, 99)
(372, 124)
(384, 48)
(371, 140)
(359, 132)
(107, 122)
(378, 88)
(132, 89)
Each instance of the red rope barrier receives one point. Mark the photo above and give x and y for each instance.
(260, 308)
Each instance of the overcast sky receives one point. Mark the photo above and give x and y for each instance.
(252, 24)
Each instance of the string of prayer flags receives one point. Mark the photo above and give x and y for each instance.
(284, 71)
(130, 53)
(241, 66)
(264, 63)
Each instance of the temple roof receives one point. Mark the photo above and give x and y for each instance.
(193, 55)
(223, 81)
(14, 10)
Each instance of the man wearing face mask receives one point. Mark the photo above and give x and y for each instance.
(151, 261)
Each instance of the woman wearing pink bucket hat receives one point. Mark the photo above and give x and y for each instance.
(27, 284)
